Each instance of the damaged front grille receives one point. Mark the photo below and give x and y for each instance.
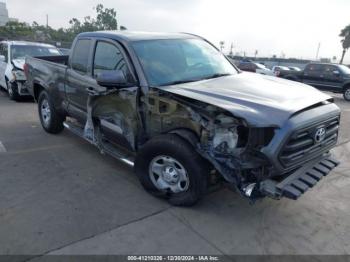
(307, 143)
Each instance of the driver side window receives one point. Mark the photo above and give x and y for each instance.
(107, 58)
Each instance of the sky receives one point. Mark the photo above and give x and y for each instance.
(272, 27)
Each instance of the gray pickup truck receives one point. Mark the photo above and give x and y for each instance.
(185, 117)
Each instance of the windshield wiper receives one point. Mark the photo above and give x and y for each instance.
(180, 82)
(217, 75)
(195, 80)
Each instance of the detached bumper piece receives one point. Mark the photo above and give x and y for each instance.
(299, 182)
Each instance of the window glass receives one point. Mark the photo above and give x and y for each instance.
(329, 69)
(344, 69)
(21, 51)
(4, 51)
(170, 61)
(80, 58)
(313, 68)
(108, 57)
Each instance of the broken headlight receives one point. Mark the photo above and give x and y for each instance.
(228, 135)
(225, 140)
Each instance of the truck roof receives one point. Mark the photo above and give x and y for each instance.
(136, 35)
(26, 43)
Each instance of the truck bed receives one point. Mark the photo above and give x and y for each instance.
(62, 59)
(46, 71)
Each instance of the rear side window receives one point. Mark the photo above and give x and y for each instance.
(80, 58)
(313, 68)
(329, 69)
(107, 58)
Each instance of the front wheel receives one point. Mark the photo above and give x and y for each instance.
(51, 120)
(347, 93)
(169, 167)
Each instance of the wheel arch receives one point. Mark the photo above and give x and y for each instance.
(37, 88)
(346, 85)
(186, 134)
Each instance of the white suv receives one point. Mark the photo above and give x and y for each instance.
(12, 59)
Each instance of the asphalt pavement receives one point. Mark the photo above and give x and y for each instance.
(59, 195)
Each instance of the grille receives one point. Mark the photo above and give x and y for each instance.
(302, 147)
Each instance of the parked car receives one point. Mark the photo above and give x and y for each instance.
(12, 55)
(255, 68)
(294, 68)
(173, 106)
(327, 77)
(276, 70)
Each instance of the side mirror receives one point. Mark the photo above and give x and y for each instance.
(2, 58)
(112, 79)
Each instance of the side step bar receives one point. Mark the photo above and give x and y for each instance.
(299, 182)
(104, 146)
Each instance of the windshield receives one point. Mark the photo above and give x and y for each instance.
(345, 69)
(21, 51)
(175, 61)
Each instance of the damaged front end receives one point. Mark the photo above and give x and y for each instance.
(249, 157)
(234, 150)
(18, 81)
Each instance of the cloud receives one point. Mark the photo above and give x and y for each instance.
(270, 26)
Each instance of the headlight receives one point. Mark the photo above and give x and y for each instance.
(18, 75)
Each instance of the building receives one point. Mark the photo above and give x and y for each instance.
(4, 15)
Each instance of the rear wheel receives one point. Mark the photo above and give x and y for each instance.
(346, 93)
(169, 167)
(51, 120)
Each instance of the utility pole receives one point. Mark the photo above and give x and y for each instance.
(231, 49)
(47, 21)
(318, 50)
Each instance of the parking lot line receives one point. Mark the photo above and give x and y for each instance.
(2, 148)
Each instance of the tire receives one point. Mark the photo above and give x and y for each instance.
(51, 120)
(12, 93)
(170, 152)
(346, 93)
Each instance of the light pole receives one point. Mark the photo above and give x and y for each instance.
(318, 50)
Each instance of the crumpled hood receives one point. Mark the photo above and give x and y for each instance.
(18, 63)
(261, 100)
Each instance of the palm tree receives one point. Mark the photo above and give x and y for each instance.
(345, 34)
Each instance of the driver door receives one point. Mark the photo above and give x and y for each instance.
(117, 111)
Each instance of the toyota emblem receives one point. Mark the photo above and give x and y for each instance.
(320, 134)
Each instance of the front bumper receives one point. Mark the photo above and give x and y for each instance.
(21, 88)
(297, 183)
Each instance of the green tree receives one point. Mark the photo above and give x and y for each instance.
(345, 34)
(106, 18)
